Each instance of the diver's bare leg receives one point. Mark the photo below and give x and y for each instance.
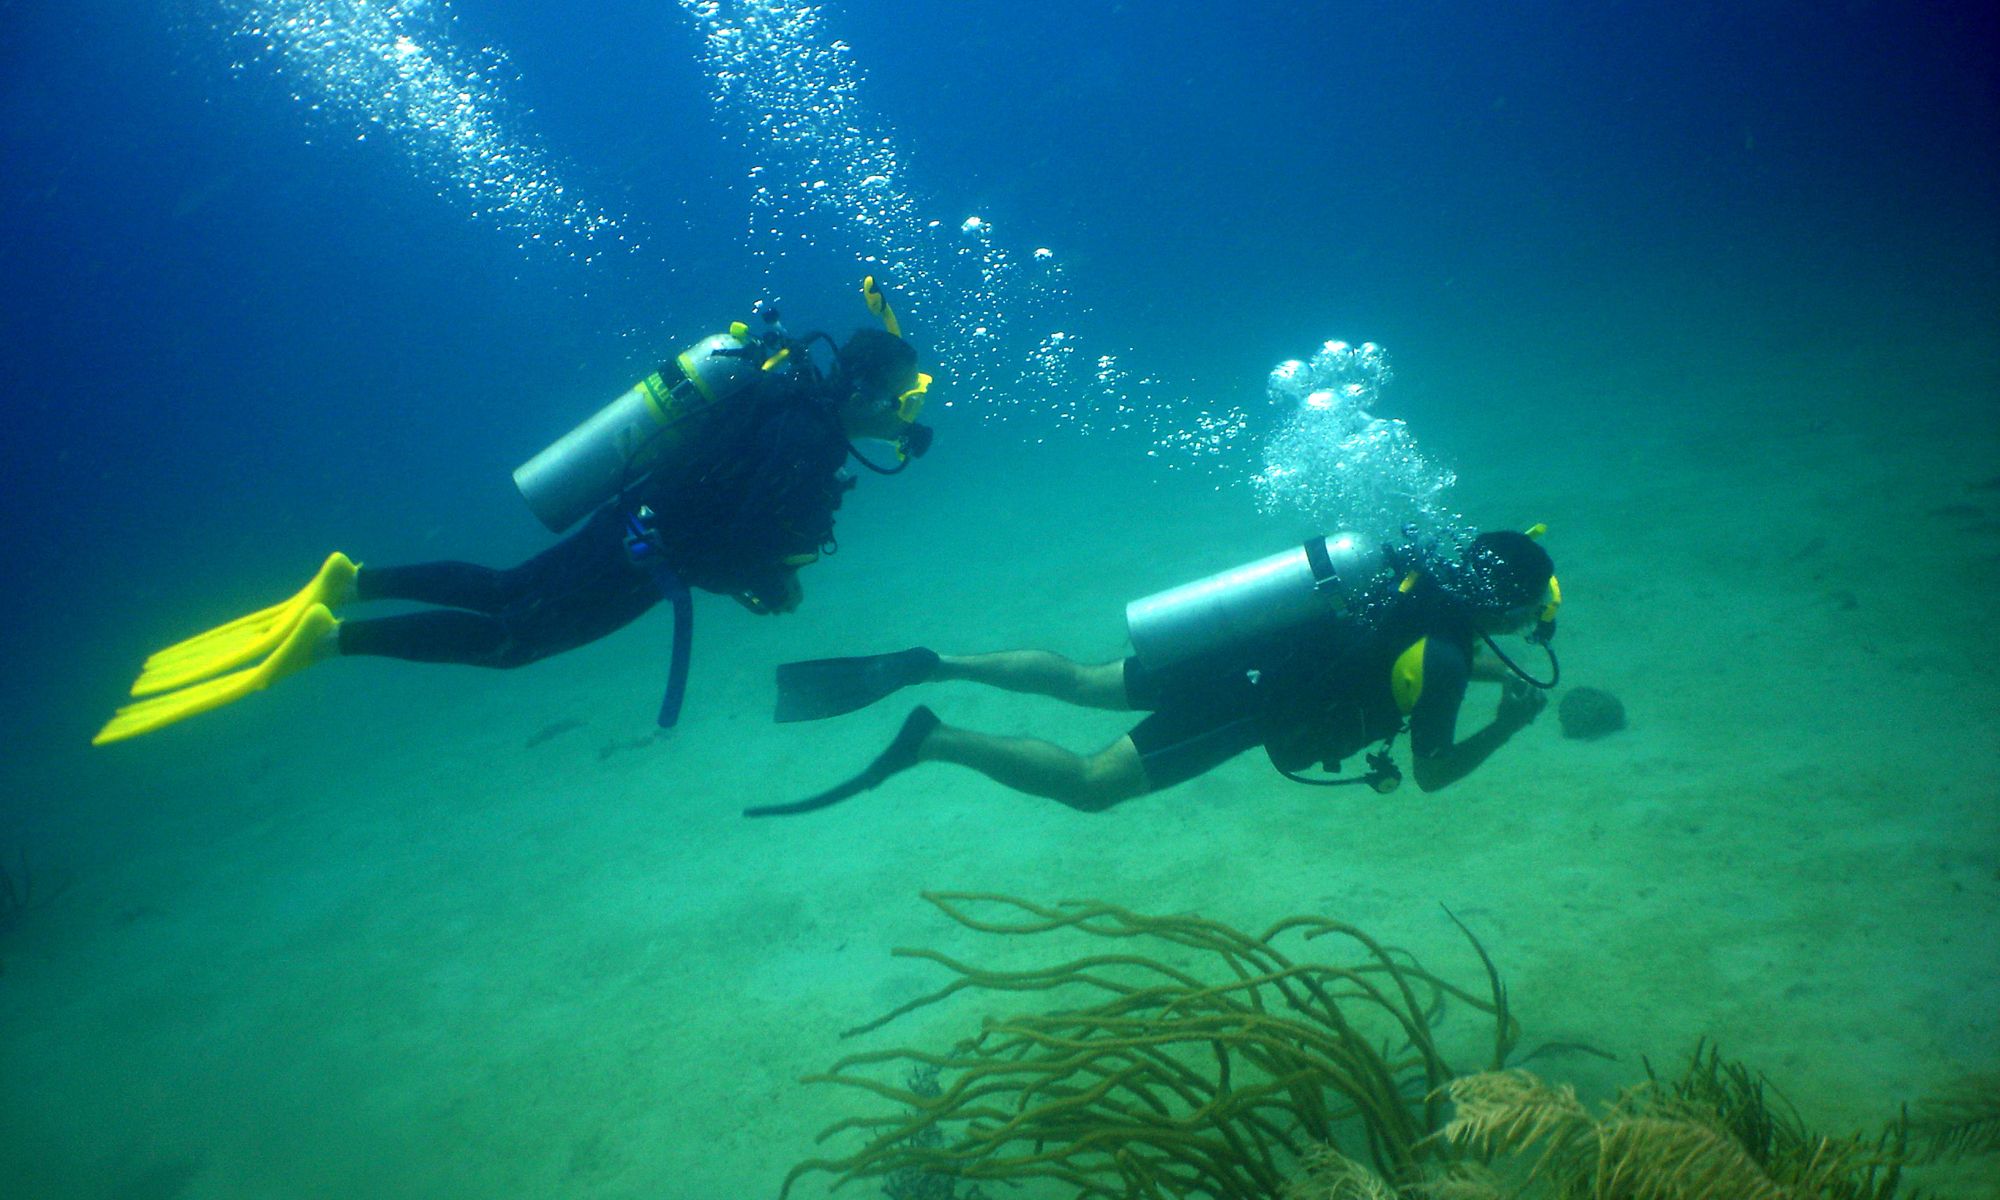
(1042, 673)
(1090, 783)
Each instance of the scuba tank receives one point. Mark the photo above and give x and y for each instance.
(632, 436)
(629, 437)
(1319, 580)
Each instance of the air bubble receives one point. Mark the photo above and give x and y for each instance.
(1339, 465)
(395, 67)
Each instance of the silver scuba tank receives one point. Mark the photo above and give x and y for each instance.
(1319, 579)
(626, 439)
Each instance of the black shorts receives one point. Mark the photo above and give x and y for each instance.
(1200, 720)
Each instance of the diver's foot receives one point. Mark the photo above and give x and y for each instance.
(918, 664)
(906, 750)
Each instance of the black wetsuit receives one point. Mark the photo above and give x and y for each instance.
(1318, 696)
(749, 495)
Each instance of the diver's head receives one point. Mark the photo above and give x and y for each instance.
(879, 390)
(1505, 580)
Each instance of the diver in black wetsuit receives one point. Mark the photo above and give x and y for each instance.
(751, 501)
(721, 471)
(1309, 686)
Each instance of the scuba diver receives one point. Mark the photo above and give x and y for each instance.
(720, 471)
(1316, 653)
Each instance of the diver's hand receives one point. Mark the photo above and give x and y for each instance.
(1520, 704)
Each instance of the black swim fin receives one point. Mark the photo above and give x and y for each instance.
(828, 687)
(900, 756)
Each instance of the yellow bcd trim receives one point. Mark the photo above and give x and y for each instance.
(1406, 678)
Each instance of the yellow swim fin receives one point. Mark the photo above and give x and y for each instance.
(246, 639)
(300, 646)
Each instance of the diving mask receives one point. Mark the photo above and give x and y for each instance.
(1542, 611)
(911, 402)
(1545, 623)
(915, 438)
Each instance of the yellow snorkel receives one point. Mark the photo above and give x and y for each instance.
(871, 295)
(1545, 625)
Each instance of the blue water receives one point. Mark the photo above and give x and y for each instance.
(235, 335)
(222, 312)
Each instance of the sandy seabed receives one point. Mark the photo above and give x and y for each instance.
(394, 931)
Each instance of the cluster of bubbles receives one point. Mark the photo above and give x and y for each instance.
(392, 67)
(1340, 466)
(1004, 325)
(1001, 322)
(794, 99)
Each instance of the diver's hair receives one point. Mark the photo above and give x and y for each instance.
(1501, 570)
(875, 357)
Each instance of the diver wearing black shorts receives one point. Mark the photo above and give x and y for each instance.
(1317, 692)
(1198, 724)
(1195, 724)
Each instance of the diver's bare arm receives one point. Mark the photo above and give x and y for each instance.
(1442, 770)
(1486, 668)
(1519, 706)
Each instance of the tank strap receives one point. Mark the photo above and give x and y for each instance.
(1320, 563)
(661, 398)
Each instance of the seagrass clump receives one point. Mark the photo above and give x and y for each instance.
(1185, 1058)
(1711, 1134)
(1960, 1121)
